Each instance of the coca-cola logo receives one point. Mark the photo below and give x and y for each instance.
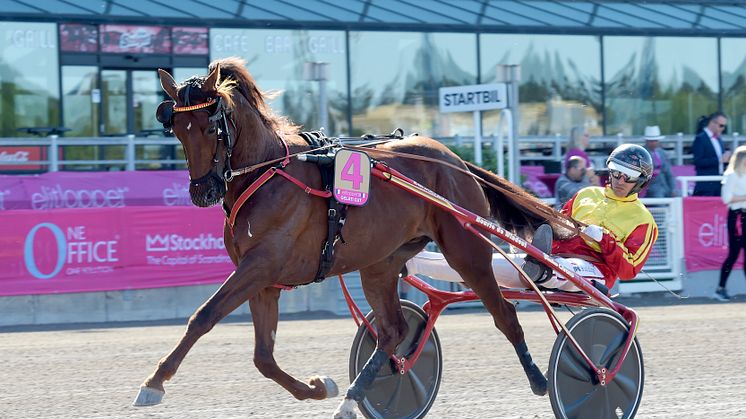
(18, 156)
(139, 38)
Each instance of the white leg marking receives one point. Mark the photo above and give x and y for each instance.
(346, 410)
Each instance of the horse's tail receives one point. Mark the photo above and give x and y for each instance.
(517, 210)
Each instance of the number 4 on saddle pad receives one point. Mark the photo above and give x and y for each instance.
(351, 177)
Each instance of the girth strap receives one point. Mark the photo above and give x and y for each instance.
(336, 214)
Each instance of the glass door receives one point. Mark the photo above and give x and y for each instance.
(129, 100)
(114, 101)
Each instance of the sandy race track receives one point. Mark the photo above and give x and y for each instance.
(695, 361)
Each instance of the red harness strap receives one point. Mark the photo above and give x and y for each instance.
(264, 178)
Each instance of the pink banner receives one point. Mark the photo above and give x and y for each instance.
(705, 233)
(69, 190)
(103, 249)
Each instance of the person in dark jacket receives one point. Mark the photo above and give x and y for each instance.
(710, 154)
(662, 184)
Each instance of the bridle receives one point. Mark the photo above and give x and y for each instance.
(218, 121)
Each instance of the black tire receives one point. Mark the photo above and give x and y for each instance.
(574, 390)
(393, 395)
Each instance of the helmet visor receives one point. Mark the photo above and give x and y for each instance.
(619, 171)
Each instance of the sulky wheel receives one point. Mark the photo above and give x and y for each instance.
(574, 389)
(393, 395)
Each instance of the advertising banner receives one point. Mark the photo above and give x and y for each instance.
(72, 190)
(83, 250)
(138, 39)
(705, 233)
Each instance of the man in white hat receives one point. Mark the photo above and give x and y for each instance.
(662, 185)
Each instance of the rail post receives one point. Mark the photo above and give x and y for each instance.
(679, 148)
(130, 150)
(54, 153)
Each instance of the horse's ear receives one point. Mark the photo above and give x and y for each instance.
(168, 83)
(213, 79)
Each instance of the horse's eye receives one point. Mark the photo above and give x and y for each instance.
(211, 130)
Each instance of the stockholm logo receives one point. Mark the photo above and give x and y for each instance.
(156, 243)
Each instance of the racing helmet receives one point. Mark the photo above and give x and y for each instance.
(634, 162)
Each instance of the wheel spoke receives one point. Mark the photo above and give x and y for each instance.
(628, 386)
(612, 348)
(420, 390)
(571, 408)
(574, 367)
(393, 402)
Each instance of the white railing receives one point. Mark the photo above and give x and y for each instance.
(531, 148)
(684, 180)
(673, 143)
(54, 144)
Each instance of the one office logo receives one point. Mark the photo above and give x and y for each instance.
(82, 254)
(28, 250)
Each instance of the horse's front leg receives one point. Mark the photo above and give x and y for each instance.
(248, 279)
(264, 314)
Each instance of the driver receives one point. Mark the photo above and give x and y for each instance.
(616, 242)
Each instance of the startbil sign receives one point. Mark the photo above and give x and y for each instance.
(476, 97)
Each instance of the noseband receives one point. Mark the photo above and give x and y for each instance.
(217, 119)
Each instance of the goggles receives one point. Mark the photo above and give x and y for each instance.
(617, 174)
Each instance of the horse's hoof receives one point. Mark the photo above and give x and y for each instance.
(539, 385)
(331, 387)
(148, 397)
(346, 410)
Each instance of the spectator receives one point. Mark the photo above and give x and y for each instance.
(662, 185)
(576, 145)
(709, 154)
(574, 179)
(734, 195)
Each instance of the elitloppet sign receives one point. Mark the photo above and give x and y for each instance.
(81, 250)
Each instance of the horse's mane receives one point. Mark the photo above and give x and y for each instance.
(234, 76)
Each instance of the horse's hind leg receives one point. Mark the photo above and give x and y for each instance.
(473, 261)
(264, 314)
(380, 286)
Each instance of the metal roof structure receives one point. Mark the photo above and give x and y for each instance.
(676, 18)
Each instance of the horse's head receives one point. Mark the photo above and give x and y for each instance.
(197, 116)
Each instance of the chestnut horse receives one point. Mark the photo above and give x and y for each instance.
(279, 232)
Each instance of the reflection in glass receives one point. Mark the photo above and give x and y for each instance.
(733, 65)
(662, 81)
(395, 77)
(114, 99)
(79, 84)
(80, 113)
(147, 94)
(275, 58)
(29, 78)
(560, 83)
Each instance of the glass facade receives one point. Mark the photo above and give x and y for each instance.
(276, 59)
(378, 80)
(29, 77)
(733, 70)
(80, 99)
(560, 83)
(662, 81)
(395, 77)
